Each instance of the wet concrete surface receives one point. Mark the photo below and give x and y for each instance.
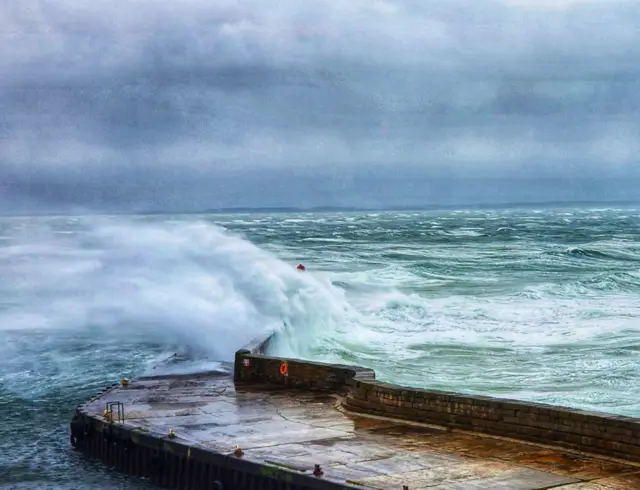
(297, 430)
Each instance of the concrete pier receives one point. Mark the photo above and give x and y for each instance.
(288, 424)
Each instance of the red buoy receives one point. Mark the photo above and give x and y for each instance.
(301, 267)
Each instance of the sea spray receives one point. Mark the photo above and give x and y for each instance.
(178, 283)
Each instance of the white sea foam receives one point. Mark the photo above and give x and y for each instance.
(182, 283)
(551, 316)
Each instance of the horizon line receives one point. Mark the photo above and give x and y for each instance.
(329, 209)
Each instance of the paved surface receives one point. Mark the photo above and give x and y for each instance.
(298, 430)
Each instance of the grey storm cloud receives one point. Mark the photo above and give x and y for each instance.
(199, 103)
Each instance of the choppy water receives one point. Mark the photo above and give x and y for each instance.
(537, 305)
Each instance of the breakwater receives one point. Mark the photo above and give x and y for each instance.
(293, 424)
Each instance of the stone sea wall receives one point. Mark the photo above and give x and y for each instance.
(599, 433)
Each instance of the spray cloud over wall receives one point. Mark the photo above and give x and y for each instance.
(190, 285)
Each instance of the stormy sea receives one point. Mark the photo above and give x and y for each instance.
(532, 304)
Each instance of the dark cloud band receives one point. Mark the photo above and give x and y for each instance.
(122, 103)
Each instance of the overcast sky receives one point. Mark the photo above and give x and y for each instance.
(196, 104)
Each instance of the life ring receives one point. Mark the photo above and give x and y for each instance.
(284, 369)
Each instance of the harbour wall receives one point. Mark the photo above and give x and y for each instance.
(591, 432)
(169, 461)
(173, 462)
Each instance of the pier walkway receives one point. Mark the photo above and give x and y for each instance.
(206, 431)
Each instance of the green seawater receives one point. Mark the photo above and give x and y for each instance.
(536, 304)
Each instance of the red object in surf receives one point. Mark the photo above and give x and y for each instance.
(301, 267)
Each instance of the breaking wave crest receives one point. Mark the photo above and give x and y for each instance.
(592, 253)
(185, 284)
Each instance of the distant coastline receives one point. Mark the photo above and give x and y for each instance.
(336, 209)
(451, 207)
